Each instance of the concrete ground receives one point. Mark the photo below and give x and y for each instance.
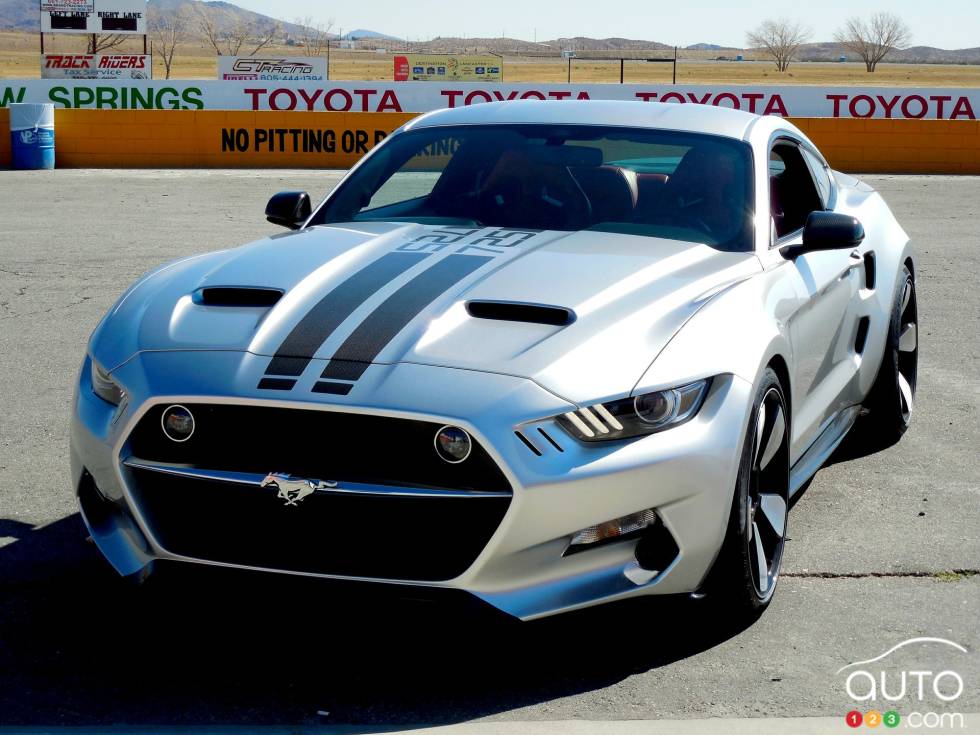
(884, 547)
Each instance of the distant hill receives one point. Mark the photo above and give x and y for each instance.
(709, 47)
(832, 51)
(20, 15)
(582, 43)
(361, 34)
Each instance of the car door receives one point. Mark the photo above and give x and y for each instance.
(827, 284)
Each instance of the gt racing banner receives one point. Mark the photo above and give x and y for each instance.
(272, 69)
(443, 67)
(91, 66)
(93, 16)
(365, 96)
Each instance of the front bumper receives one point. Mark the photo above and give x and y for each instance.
(559, 485)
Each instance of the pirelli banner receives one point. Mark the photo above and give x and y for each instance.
(883, 103)
(272, 69)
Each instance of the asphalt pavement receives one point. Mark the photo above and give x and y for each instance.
(884, 547)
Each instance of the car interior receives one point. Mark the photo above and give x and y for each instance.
(695, 190)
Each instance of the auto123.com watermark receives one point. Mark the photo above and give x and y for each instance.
(891, 690)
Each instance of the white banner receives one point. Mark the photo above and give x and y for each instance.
(91, 66)
(790, 101)
(93, 16)
(64, 6)
(272, 68)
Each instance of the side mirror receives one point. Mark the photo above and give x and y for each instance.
(289, 209)
(829, 231)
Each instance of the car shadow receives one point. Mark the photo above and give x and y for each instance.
(79, 646)
(860, 442)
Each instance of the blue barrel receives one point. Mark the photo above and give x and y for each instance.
(32, 136)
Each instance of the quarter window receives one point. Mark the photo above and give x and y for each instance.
(792, 193)
(820, 175)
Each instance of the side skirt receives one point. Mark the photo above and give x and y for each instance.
(821, 449)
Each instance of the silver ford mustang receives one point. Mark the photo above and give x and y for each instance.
(550, 354)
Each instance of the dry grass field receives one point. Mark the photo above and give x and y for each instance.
(19, 58)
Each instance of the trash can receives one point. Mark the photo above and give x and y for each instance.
(31, 136)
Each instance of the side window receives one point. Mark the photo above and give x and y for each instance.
(792, 193)
(820, 174)
(404, 186)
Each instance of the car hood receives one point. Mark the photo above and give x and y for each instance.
(397, 293)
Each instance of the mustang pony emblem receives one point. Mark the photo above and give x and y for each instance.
(294, 489)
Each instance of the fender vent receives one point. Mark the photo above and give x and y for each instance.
(869, 270)
(541, 447)
(515, 311)
(862, 334)
(237, 296)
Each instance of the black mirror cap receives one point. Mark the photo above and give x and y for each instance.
(831, 231)
(289, 209)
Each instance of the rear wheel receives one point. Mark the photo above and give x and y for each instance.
(892, 397)
(744, 576)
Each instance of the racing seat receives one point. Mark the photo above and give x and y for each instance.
(612, 191)
(521, 192)
(650, 188)
(702, 193)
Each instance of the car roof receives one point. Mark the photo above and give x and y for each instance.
(695, 118)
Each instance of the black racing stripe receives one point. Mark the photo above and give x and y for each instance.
(335, 389)
(305, 339)
(385, 322)
(276, 384)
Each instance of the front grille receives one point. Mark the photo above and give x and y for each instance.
(324, 445)
(414, 537)
(418, 538)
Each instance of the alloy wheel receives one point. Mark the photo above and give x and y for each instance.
(768, 482)
(908, 349)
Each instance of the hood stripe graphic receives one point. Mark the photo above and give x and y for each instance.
(276, 384)
(391, 317)
(305, 339)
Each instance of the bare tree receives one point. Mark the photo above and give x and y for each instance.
(314, 36)
(228, 34)
(105, 41)
(875, 38)
(780, 38)
(209, 23)
(263, 35)
(167, 30)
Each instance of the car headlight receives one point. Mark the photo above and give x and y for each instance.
(105, 387)
(638, 415)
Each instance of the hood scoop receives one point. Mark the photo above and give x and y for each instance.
(517, 311)
(237, 296)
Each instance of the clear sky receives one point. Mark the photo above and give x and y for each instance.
(942, 23)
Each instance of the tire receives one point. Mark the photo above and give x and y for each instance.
(756, 533)
(892, 396)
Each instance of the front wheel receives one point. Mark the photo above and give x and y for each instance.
(744, 576)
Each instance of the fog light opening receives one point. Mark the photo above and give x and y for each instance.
(453, 444)
(614, 530)
(178, 424)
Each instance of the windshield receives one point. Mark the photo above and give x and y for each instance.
(657, 183)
